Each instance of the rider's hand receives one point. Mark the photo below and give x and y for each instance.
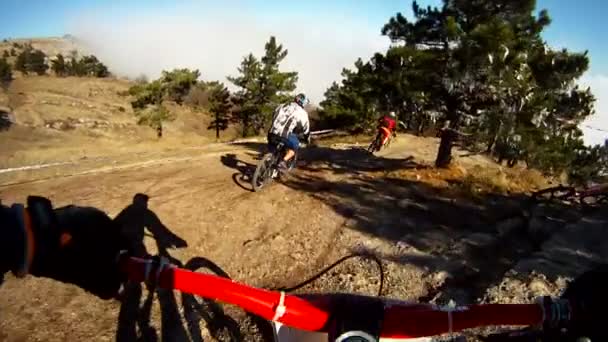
(587, 295)
(76, 245)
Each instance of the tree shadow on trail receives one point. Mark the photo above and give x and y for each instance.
(475, 238)
(353, 160)
(134, 317)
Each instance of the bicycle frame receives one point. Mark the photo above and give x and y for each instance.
(313, 313)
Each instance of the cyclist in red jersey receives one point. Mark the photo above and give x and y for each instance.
(387, 126)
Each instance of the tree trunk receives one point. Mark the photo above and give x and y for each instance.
(421, 127)
(217, 131)
(245, 126)
(494, 138)
(491, 144)
(448, 136)
(444, 154)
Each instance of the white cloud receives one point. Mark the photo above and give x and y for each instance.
(599, 88)
(319, 47)
(216, 41)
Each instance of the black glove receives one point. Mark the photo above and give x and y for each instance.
(589, 300)
(76, 245)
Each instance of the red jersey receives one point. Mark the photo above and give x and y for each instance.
(388, 122)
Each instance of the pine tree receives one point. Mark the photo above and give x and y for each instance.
(178, 82)
(21, 62)
(483, 67)
(37, 62)
(149, 97)
(276, 86)
(6, 74)
(31, 60)
(246, 99)
(154, 116)
(356, 101)
(262, 87)
(219, 106)
(58, 65)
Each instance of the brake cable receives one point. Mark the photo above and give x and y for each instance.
(334, 265)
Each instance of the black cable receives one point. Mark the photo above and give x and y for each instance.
(330, 267)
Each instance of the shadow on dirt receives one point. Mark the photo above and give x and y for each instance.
(474, 239)
(134, 220)
(245, 170)
(134, 317)
(339, 161)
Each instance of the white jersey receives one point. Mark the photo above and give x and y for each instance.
(288, 118)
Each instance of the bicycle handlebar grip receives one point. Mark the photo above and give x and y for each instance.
(412, 321)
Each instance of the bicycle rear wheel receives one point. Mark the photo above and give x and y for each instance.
(263, 172)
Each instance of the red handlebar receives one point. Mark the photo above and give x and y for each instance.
(401, 319)
(298, 313)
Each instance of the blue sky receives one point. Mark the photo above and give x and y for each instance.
(340, 30)
(576, 24)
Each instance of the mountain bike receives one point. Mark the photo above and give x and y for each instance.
(268, 168)
(342, 317)
(376, 144)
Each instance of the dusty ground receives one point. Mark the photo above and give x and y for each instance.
(437, 242)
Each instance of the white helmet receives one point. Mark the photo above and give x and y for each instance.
(392, 115)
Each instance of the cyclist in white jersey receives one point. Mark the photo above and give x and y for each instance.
(289, 121)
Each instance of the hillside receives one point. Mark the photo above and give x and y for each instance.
(70, 118)
(50, 46)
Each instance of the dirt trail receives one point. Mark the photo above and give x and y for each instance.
(434, 246)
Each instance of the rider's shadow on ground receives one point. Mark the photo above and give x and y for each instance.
(134, 320)
(245, 170)
(134, 221)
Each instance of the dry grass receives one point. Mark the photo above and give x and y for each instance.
(469, 174)
(343, 138)
(477, 180)
(97, 121)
